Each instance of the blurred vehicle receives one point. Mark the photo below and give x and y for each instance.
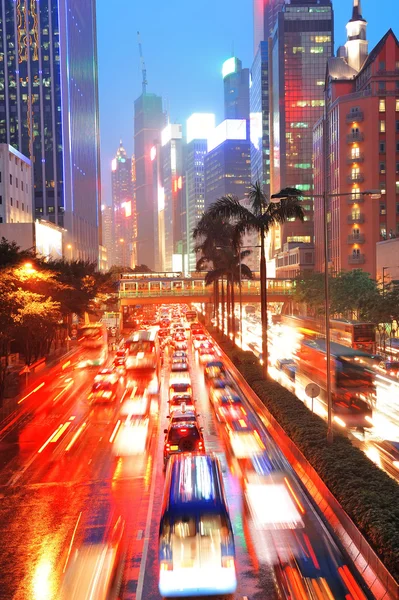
(283, 362)
(105, 375)
(94, 570)
(182, 436)
(181, 402)
(120, 358)
(144, 351)
(219, 383)
(244, 440)
(133, 436)
(191, 316)
(179, 354)
(180, 345)
(224, 394)
(186, 415)
(93, 337)
(179, 387)
(392, 345)
(214, 369)
(102, 393)
(199, 339)
(179, 364)
(352, 383)
(205, 354)
(227, 411)
(196, 542)
(163, 333)
(389, 367)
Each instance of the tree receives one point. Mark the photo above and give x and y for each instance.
(309, 290)
(353, 293)
(260, 217)
(11, 254)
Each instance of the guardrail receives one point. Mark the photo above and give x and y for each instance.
(380, 582)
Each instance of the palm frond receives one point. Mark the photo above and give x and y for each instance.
(246, 272)
(257, 199)
(230, 208)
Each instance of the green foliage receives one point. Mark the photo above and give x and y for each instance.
(11, 254)
(309, 290)
(353, 293)
(368, 495)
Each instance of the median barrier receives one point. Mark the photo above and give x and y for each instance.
(378, 579)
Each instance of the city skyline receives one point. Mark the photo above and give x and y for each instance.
(198, 73)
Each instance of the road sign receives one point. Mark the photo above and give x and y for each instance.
(26, 369)
(312, 390)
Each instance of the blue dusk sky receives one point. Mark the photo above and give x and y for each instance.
(184, 46)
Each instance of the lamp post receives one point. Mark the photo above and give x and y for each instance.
(383, 295)
(375, 195)
(69, 246)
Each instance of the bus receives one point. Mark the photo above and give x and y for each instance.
(196, 542)
(93, 337)
(353, 334)
(143, 351)
(352, 381)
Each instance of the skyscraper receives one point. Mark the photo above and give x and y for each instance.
(265, 17)
(259, 118)
(149, 120)
(199, 128)
(107, 233)
(123, 209)
(302, 44)
(172, 183)
(236, 89)
(227, 163)
(49, 110)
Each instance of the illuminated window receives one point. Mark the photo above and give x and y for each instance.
(317, 50)
(302, 166)
(355, 152)
(381, 105)
(383, 209)
(382, 187)
(382, 167)
(298, 49)
(299, 238)
(382, 126)
(320, 82)
(321, 39)
(397, 104)
(397, 187)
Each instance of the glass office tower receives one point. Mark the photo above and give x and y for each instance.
(49, 110)
(302, 43)
(259, 118)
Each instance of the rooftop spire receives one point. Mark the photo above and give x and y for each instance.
(357, 11)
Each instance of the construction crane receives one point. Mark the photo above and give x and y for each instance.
(143, 69)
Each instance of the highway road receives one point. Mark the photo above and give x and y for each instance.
(62, 483)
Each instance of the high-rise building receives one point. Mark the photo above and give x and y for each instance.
(107, 233)
(302, 43)
(236, 89)
(49, 111)
(265, 17)
(259, 118)
(174, 199)
(356, 148)
(149, 120)
(227, 163)
(199, 128)
(123, 209)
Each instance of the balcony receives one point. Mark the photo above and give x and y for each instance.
(355, 218)
(356, 238)
(355, 178)
(354, 116)
(355, 136)
(355, 199)
(355, 159)
(356, 259)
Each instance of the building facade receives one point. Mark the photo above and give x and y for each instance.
(49, 111)
(265, 17)
(228, 163)
(123, 207)
(302, 43)
(259, 118)
(149, 120)
(236, 89)
(356, 149)
(199, 127)
(15, 187)
(107, 233)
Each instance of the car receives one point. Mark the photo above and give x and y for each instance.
(219, 383)
(180, 345)
(120, 358)
(229, 411)
(389, 367)
(106, 375)
(205, 354)
(181, 437)
(179, 354)
(198, 340)
(214, 369)
(187, 415)
(179, 364)
(244, 440)
(102, 392)
(179, 387)
(224, 395)
(181, 402)
(283, 362)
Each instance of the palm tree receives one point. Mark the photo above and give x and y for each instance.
(260, 217)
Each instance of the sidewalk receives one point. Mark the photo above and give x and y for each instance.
(11, 406)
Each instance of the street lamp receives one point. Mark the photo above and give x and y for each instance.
(69, 246)
(375, 195)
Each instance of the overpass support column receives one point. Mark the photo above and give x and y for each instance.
(208, 313)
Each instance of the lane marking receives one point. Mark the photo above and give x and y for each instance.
(50, 438)
(115, 431)
(70, 545)
(32, 392)
(75, 437)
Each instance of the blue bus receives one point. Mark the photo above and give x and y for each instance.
(196, 542)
